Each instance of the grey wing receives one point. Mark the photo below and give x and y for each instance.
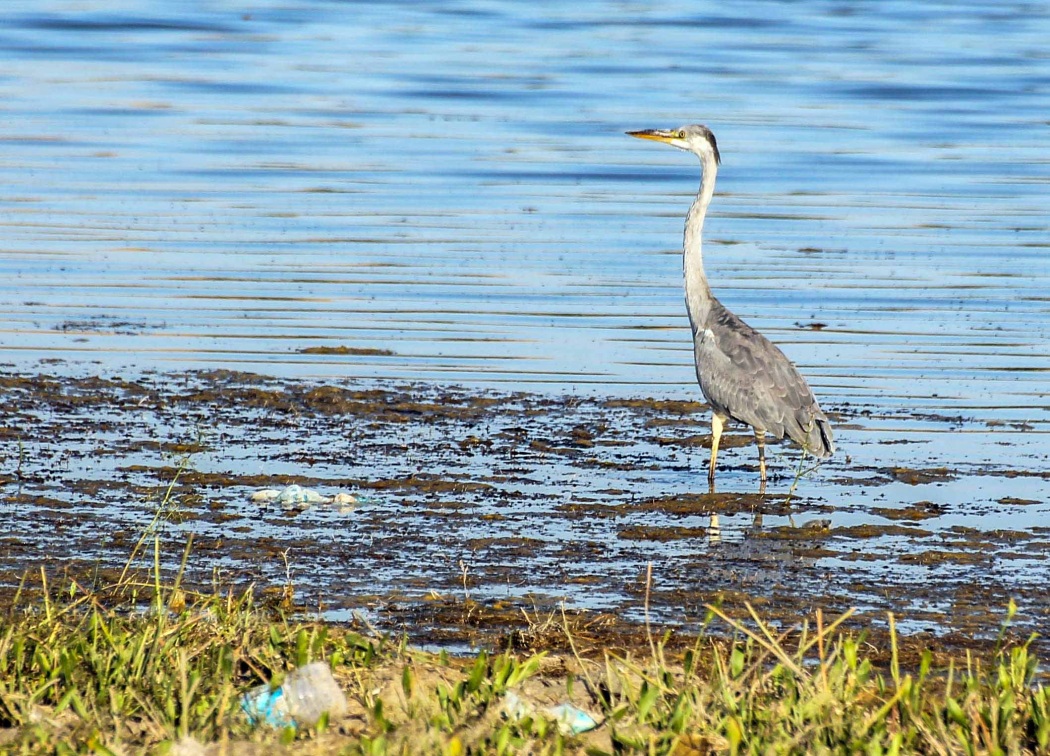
(745, 376)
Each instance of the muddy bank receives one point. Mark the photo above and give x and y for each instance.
(478, 514)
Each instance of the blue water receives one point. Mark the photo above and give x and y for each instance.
(191, 184)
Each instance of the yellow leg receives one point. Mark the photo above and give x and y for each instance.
(717, 423)
(760, 438)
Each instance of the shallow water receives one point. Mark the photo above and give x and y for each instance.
(192, 186)
(486, 505)
(445, 191)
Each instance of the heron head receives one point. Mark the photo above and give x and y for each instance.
(695, 138)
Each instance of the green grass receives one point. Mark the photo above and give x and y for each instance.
(136, 665)
(141, 664)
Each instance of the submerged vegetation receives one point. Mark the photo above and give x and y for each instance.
(145, 664)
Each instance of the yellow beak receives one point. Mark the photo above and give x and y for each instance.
(656, 135)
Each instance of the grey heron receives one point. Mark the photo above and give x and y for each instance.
(742, 374)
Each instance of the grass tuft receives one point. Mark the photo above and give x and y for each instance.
(145, 663)
(140, 664)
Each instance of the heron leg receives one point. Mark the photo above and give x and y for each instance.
(717, 423)
(760, 439)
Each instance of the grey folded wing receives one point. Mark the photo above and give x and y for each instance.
(745, 376)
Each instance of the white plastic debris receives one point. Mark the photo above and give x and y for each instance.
(307, 693)
(570, 719)
(514, 707)
(298, 497)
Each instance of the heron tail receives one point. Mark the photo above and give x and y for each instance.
(819, 441)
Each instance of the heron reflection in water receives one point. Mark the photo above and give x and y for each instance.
(744, 377)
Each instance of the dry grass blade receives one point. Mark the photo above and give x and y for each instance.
(765, 640)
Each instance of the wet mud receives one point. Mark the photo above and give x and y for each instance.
(481, 514)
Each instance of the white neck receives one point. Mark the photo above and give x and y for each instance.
(697, 293)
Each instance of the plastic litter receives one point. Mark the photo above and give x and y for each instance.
(570, 719)
(307, 693)
(514, 707)
(298, 497)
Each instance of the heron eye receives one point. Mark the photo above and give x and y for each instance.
(680, 135)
